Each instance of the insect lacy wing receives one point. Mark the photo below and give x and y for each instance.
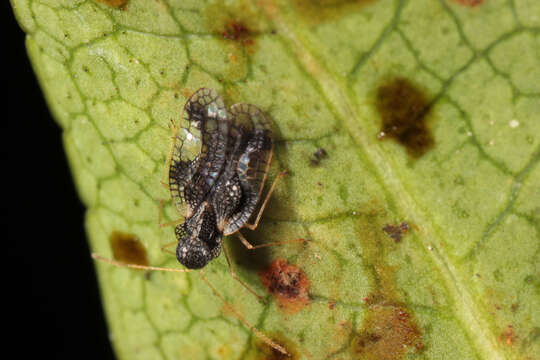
(191, 144)
(252, 159)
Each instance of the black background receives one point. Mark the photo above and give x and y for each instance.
(49, 282)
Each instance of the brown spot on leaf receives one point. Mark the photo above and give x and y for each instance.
(388, 333)
(127, 248)
(405, 111)
(471, 3)
(288, 283)
(186, 92)
(117, 4)
(388, 330)
(396, 232)
(508, 336)
(319, 11)
(239, 24)
(239, 32)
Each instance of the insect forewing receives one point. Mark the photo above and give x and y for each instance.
(252, 159)
(205, 117)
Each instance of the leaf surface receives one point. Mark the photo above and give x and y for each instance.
(424, 241)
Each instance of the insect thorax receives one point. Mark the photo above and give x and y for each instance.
(199, 240)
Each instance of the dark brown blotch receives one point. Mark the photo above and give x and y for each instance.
(405, 113)
(127, 248)
(288, 284)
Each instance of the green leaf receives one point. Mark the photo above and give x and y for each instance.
(462, 282)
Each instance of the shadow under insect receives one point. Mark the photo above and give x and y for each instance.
(246, 259)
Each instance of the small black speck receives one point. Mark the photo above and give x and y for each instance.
(318, 155)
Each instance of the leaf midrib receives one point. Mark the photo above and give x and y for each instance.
(466, 309)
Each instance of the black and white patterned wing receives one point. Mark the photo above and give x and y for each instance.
(252, 159)
(205, 121)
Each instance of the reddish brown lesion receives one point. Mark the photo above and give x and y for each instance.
(388, 333)
(508, 335)
(289, 285)
(239, 32)
(471, 3)
(118, 4)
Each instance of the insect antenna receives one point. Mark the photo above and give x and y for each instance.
(257, 333)
(136, 266)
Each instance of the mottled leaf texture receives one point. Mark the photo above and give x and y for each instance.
(411, 132)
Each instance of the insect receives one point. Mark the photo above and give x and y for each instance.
(217, 165)
(219, 185)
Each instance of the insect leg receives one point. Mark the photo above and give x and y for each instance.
(160, 217)
(273, 243)
(164, 247)
(233, 274)
(257, 333)
(136, 266)
(261, 210)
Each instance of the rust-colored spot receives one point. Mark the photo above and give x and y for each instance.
(396, 232)
(233, 58)
(117, 4)
(238, 31)
(266, 352)
(239, 24)
(508, 336)
(405, 110)
(319, 11)
(288, 283)
(388, 334)
(331, 304)
(127, 248)
(471, 3)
